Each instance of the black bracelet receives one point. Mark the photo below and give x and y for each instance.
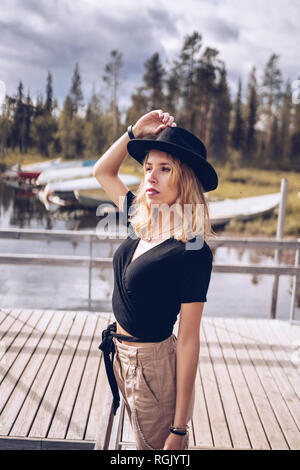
(180, 433)
(130, 133)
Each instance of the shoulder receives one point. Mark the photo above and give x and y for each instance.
(128, 200)
(196, 252)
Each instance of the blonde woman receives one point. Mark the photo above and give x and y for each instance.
(162, 268)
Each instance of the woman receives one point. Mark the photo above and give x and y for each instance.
(163, 267)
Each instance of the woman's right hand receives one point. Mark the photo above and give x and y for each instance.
(152, 123)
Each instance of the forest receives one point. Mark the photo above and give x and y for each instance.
(258, 127)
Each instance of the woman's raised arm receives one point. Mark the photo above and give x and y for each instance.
(107, 167)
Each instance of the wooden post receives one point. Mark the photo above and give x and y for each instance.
(294, 289)
(90, 270)
(279, 235)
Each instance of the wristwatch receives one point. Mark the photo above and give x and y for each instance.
(130, 133)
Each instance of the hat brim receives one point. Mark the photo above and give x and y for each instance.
(138, 148)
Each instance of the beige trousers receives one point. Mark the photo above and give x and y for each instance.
(146, 377)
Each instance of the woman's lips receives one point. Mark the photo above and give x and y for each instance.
(151, 192)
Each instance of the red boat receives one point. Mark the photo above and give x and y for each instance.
(31, 175)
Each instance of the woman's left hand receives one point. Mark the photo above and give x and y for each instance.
(174, 442)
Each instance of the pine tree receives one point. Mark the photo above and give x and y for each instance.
(251, 118)
(19, 125)
(294, 155)
(153, 82)
(219, 132)
(49, 104)
(75, 93)
(112, 79)
(187, 69)
(28, 112)
(237, 135)
(64, 133)
(172, 97)
(6, 126)
(285, 117)
(270, 100)
(206, 71)
(95, 137)
(139, 105)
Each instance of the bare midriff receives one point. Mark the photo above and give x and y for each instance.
(121, 331)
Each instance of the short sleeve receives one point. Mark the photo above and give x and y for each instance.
(195, 274)
(126, 206)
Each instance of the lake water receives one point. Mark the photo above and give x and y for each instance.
(229, 295)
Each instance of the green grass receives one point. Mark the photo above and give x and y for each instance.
(246, 182)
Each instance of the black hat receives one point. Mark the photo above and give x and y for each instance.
(182, 144)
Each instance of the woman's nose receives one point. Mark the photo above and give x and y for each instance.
(153, 175)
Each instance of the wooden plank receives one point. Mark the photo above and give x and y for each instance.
(201, 420)
(20, 393)
(291, 331)
(249, 413)
(48, 406)
(6, 324)
(35, 397)
(231, 407)
(7, 369)
(21, 374)
(8, 330)
(287, 355)
(98, 419)
(7, 443)
(201, 424)
(82, 406)
(3, 315)
(116, 429)
(63, 412)
(282, 396)
(127, 431)
(288, 337)
(259, 398)
(263, 389)
(219, 429)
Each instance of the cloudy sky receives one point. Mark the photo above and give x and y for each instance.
(42, 35)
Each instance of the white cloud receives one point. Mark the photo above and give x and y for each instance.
(41, 35)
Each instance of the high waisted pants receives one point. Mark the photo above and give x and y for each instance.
(146, 377)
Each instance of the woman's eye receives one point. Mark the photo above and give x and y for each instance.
(163, 168)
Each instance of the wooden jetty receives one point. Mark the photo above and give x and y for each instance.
(54, 392)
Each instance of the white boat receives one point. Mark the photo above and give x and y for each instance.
(65, 189)
(221, 212)
(67, 171)
(91, 198)
(39, 166)
(30, 171)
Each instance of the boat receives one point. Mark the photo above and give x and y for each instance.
(246, 208)
(66, 171)
(91, 198)
(65, 189)
(32, 171)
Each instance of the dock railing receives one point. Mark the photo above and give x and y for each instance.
(89, 261)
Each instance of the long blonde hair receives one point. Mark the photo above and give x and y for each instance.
(190, 192)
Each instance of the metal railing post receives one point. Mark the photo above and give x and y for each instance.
(294, 288)
(279, 235)
(90, 269)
